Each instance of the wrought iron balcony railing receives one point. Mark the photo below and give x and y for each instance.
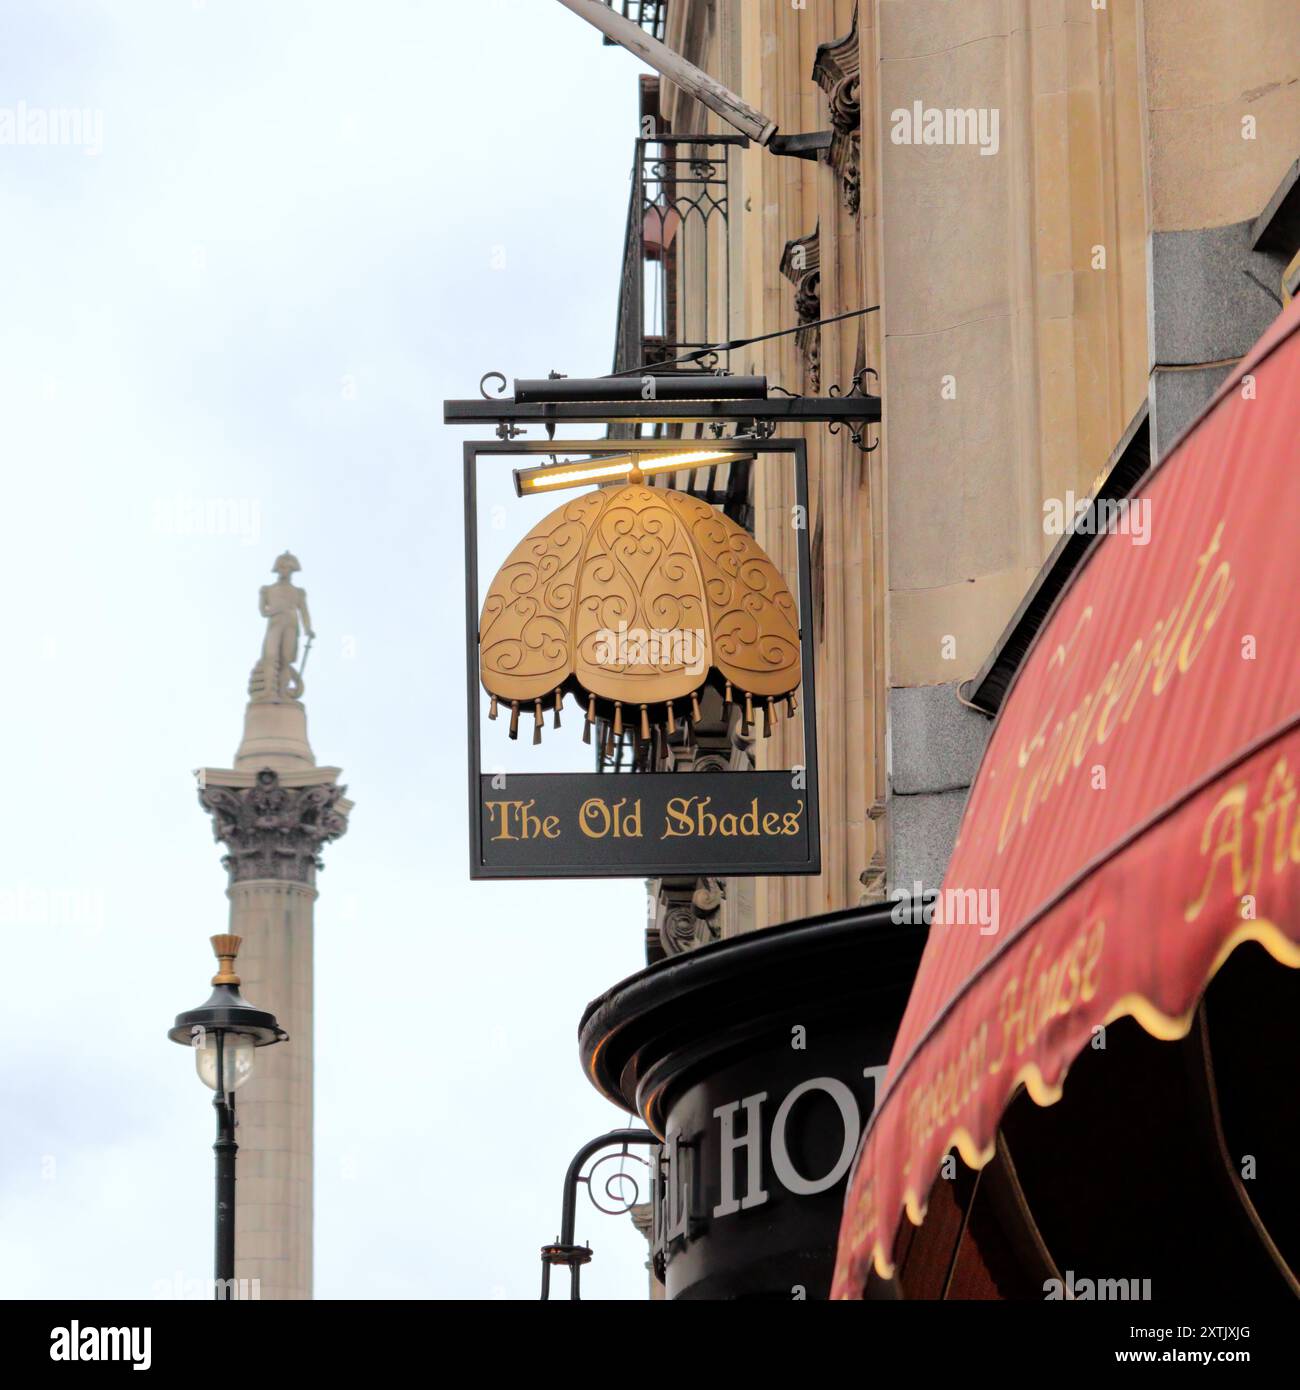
(649, 14)
(675, 295)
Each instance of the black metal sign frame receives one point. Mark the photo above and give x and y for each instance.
(759, 803)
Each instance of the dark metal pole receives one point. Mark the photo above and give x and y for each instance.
(225, 1149)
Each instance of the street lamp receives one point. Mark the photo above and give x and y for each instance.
(225, 1033)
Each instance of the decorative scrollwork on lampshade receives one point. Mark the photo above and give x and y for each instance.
(632, 598)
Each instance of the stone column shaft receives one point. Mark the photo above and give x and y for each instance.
(274, 824)
(273, 1194)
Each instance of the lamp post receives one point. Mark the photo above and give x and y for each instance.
(225, 1033)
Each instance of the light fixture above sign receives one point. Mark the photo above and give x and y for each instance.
(617, 468)
(680, 385)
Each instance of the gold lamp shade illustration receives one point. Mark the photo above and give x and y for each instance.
(633, 598)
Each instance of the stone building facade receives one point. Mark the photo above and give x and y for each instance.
(1074, 216)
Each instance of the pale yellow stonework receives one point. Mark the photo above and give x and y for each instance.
(1012, 342)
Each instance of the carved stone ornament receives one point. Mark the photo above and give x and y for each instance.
(801, 264)
(272, 831)
(873, 877)
(690, 914)
(836, 70)
(629, 597)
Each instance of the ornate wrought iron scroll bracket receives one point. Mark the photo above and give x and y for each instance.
(564, 1250)
(858, 388)
(673, 395)
(504, 430)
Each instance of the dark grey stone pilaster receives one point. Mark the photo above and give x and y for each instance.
(1211, 295)
(935, 745)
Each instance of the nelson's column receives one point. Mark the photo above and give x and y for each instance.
(274, 811)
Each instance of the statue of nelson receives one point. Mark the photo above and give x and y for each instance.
(284, 606)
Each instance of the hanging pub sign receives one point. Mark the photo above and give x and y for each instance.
(642, 628)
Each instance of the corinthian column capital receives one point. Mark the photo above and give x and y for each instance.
(274, 825)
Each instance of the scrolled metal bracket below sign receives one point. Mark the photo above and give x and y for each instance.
(564, 1250)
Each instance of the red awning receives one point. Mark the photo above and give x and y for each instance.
(1136, 816)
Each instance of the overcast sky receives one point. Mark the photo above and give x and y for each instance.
(289, 231)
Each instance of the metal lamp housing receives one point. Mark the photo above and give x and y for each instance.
(226, 1011)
